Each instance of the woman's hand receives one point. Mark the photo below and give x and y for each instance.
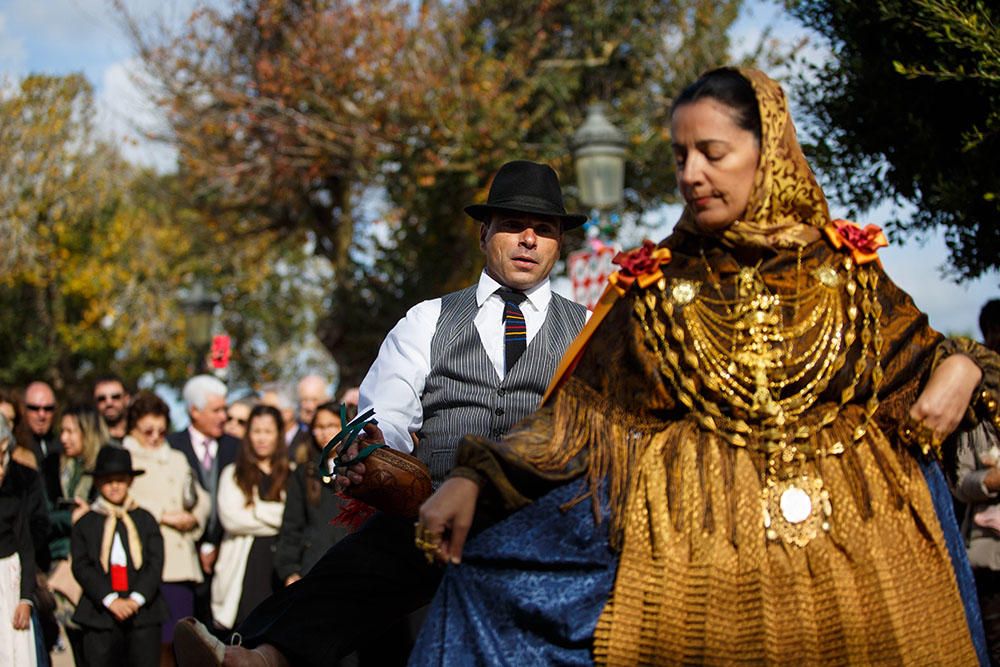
(22, 616)
(446, 517)
(943, 402)
(292, 578)
(181, 521)
(81, 508)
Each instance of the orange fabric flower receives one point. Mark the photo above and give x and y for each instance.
(641, 264)
(863, 242)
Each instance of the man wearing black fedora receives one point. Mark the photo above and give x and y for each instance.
(473, 361)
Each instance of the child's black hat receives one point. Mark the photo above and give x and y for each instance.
(112, 460)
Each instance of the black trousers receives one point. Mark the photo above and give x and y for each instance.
(122, 646)
(365, 585)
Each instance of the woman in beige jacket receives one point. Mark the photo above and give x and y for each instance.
(170, 492)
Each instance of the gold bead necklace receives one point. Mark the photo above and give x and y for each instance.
(747, 377)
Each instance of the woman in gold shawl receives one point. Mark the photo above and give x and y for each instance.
(734, 462)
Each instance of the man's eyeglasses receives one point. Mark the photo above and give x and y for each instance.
(40, 408)
(108, 397)
(241, 422)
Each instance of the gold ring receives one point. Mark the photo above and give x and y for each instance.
(919, 434)
(429, 548)
(426, 541)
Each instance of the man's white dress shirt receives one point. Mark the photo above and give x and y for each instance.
(395, 382)
(200, 443)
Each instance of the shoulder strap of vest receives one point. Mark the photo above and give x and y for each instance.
(572, 308)
(457, 309)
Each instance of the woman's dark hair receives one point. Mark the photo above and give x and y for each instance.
(248, 475)
(729, 87)
(22, 433)
(146, 403)
(308, 456)
(989, 324)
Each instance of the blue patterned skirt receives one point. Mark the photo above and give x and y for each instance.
(530, 588)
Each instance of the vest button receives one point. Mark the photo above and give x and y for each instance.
(498, 412)
(501, 392)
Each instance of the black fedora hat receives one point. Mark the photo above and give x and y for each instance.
(113, 460)
(526, 187)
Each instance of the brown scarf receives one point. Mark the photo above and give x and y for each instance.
(114, 514)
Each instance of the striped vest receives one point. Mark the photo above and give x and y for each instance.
(463, 395)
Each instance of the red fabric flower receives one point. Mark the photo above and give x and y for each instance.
(863, 242)
(637, 261)
(641, 264)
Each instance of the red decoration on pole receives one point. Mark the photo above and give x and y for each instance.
(220, 351)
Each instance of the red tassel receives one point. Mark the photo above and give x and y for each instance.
(119, 578)
(352, 513)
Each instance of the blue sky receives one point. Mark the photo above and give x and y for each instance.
(62, 36)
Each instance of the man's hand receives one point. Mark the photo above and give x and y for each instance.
(992, 478)
(448, 514)
(22, 616)
(292, 578)
(355, 474)
(943, 402)
(207, 559)
(122, 609)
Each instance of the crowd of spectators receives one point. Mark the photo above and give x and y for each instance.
(116, 526)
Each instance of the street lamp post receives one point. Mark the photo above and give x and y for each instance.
(199, 320)
(599, 156)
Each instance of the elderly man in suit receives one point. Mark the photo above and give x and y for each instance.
(208, 450)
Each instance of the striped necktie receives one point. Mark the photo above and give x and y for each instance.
(515, 333)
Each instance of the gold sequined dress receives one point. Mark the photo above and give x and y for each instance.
(742, 403)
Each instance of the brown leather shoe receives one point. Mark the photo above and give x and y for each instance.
(195, 646)
(264, 655)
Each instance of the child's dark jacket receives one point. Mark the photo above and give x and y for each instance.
(96, 583)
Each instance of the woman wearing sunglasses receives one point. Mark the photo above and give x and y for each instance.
(173, 496)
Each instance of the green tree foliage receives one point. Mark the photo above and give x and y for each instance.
(908, 109)
(94, 254)
(69, 265)
(362, 128)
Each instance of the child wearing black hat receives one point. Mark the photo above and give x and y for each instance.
(118, 561)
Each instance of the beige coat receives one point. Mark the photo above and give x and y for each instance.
(162, 489)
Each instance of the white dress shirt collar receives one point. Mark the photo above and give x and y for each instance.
(538, 296)
(199, 441)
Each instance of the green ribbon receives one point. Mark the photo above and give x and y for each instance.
(343, 441)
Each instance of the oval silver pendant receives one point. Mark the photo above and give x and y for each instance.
(795, 504)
